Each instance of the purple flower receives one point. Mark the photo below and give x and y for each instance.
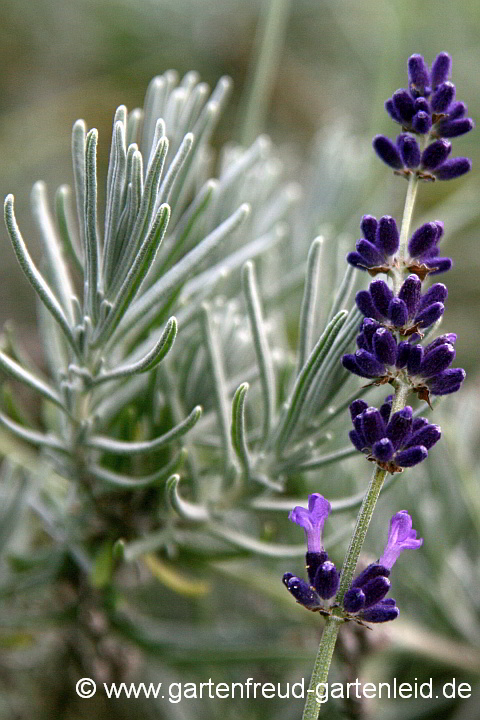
(428, 106)
(407, 312)
(323, 575)
(435, 155)
(453, 168)
(365, 597)
(379, 244)
(427, 369)
(303, 593)
(367, 590)
(424, 252)
(312, 520)
(388, 152)
(401, 537)
(429, 103)
(392, 442)
(376, 250)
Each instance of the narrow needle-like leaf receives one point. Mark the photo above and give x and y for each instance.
(91, 234)
(129, 483)
(316, 463)
(306, 377)
(142, 311)
(262, 350)
(174, 170)
(214, 354)
(120, 447)
(33, 436)
(186, 510)
(33, 275)
(57, 269)
(140, 267)
(285, 504)
(341, 298)
(307, 312)
(159, 351)
(19, 373)
(78, 160)
(66, 226)
(238, 428)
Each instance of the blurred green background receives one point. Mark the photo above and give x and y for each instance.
(339, 62)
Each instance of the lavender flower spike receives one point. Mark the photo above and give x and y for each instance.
(427, 108)
(401, 537)
(312, 520)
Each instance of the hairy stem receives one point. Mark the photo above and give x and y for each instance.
(321, 668)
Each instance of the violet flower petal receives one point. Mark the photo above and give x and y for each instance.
(373, 426)
(410, 293)
(418, 75)
(383, 450)
(409, 151)
(441, 69)
(301, 591)
(421, 122)
(384, 611)
(399, 426)
(375, 590)
(387, 151)
(354, 600)
(435, 154)
(453, 128)
(423, 239)
(327, 580)
(412, 456)
(453, 168)
(427, 436)
(387, 235)
(381, 296)
(443, 97)
(385, 346)
(401, 536)
(397, 312)
(437, 360)
(312, 520)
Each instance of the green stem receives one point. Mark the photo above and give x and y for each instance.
(321, 668)
(405, 230)
(407, 214)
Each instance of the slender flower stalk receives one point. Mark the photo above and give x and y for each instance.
(394, 320)
(332, 625)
